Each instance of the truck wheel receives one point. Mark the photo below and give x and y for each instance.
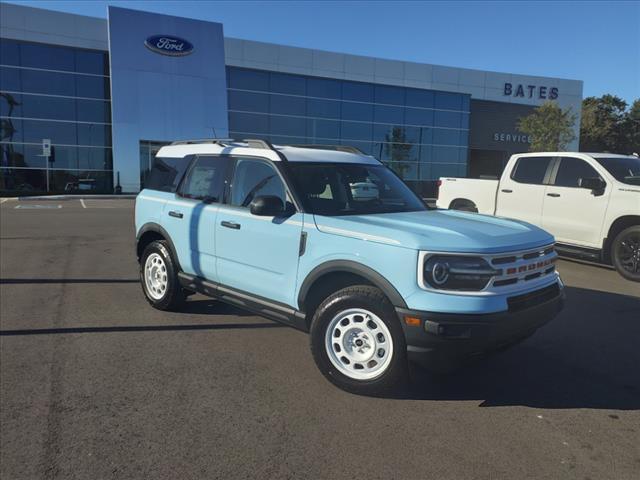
(358, 343)
(625, 253)
(159, 277)
(463, 206)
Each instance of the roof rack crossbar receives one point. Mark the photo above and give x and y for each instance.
(220, 141)
(337, 148)
(258, 143)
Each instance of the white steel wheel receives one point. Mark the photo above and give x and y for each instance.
(155, 276)
(359, 344)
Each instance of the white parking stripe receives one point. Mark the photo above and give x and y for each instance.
(82, 202)
(34, 207)
(2, 200)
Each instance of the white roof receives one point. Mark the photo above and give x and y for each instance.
(293, 154)
(608, 155)
(564, 154)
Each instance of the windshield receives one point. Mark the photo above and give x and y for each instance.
(352, 189)
(623, 169)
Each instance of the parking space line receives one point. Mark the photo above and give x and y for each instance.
(2, 200)
(82, 203)
(35, 207)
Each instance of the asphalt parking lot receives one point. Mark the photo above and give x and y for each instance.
(94, 383)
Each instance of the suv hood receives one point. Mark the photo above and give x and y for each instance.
(439, 231)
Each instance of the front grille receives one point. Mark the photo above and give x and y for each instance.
(531, 299)
(523, 266)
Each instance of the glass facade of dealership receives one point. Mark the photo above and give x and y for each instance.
(108, 103)
(61, 94)
(422, 134)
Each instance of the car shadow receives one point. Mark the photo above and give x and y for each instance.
(211, 306)
(587, 357)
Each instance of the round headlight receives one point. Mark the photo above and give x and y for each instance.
(440, 273)
(457, 272)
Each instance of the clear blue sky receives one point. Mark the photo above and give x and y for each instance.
(597, 42)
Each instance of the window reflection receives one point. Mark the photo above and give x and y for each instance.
(39, 99)
(408, 127)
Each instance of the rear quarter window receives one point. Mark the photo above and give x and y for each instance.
(166, 173)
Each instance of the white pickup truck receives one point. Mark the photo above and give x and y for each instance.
(590, 202)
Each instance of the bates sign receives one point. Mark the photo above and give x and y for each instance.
(168, 45)
(530, 91)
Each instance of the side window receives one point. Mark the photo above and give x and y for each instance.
(531, 170)
(571, 170)
(166, 173)
(253, 178)
(205, 180)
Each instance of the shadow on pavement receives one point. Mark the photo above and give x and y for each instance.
(27, 281)
(587, 357)
(210, 306)
(139, 328)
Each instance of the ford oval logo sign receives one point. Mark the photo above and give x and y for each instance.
(168, 45)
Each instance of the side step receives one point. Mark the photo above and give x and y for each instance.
(593, 254)
(262, 306)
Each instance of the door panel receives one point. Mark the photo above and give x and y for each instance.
(572, 214)
(258, 254)
(191, 226)
(190, 217)
(521, 195)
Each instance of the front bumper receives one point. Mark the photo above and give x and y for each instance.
(443, 336)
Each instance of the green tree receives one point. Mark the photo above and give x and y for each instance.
(604, 126)
(550, 127)
(631, 126)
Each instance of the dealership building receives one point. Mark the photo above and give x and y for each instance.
(85, 103)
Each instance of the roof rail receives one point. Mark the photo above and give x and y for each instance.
(220, 141)
(258, 143)
(337, 148)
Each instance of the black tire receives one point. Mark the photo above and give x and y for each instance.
(371, 299)
(625, 253)
(463, 206)
(173, 296)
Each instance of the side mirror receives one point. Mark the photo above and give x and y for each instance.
(266, 206)
(592, 183)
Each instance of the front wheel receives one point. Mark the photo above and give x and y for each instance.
(159, 277)
(358, 343)
(625, 253)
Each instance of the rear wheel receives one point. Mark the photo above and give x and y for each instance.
(625, 253)
(463, 206)
(357, 341)
(159, 277)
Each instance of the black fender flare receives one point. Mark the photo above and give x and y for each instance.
(349, 266)
(156, 228)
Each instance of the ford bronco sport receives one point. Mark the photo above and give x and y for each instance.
(329, 240)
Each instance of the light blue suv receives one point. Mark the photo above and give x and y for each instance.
(330, 241)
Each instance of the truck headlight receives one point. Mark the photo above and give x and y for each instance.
(454, 272)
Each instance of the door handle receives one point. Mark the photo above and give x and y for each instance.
(506, 190)
(553, 194)
(175, 214)
(235, 226)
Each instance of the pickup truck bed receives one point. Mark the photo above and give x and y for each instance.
(455, 194)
